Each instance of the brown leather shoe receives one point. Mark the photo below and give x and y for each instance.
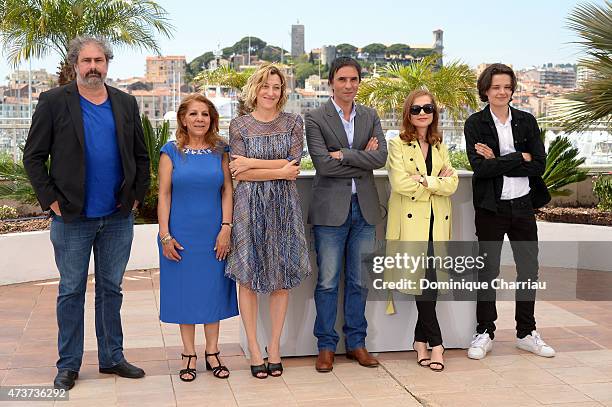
(325, 361)
(362, 356)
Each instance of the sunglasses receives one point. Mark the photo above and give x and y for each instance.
(428, 109)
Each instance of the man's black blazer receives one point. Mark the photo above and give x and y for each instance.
(57, 131)
(487, 181)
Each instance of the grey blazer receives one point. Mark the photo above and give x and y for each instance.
(331, 187)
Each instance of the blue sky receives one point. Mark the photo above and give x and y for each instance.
(522, 32)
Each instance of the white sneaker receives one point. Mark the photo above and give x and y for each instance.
(535, 344)
(481, 344)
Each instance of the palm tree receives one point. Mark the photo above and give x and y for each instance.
(37, 28)
(593, 101)
(226, 76)
(562, 166)
(453, 86)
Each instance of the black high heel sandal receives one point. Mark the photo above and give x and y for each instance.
(441, 368)
(256, 370)
(274, 369)
(188, 371)
(217, 370)
(420, 362)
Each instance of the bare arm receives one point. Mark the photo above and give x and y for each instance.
(289, 171)
(222, 244)
(169, 249)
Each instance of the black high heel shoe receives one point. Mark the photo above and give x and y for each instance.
(274, 369)
(420, 362)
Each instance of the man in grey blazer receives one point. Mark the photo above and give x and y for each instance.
(346, 143)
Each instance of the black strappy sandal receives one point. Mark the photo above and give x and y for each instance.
(420, 362)
(188, 371)
(217, 370)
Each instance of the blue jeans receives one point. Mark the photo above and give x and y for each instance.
(111, 240)
(339, 246)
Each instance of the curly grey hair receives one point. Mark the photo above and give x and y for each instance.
(77, 43)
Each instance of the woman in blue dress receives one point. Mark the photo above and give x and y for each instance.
(195, 221)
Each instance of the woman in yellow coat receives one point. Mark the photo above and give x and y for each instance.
(422, 179)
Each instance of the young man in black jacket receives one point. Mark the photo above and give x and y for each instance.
(508, 158)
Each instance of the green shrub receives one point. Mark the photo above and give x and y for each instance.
(14, 182)
(155, 138)
(602, 188)
(7, 212)
(562, 167)
(306, 163)
(459, 160)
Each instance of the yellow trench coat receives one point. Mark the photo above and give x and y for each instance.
(411, 203)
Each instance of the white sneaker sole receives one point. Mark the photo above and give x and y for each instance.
(529, 349)
(479, 356)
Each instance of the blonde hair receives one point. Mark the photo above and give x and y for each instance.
(211, 137)
(257, 80)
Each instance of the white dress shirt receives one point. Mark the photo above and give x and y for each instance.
(349, 129)
(514, 187)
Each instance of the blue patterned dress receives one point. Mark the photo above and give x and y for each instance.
(194, 290)
(268, 249)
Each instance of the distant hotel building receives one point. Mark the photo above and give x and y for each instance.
(554, 76)
(297, 40)
(166, 70)
(583, 75)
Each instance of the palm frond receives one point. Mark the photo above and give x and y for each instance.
(36, 28)
(453, 86)
(593, 102)
(562, 167)
(224, 76)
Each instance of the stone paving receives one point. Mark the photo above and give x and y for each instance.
(580, 374)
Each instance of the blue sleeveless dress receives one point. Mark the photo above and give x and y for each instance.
(194, 290)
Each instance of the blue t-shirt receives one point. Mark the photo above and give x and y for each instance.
(103, 169)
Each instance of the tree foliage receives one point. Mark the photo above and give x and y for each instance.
(37, 28)
(562, 167)
(374, 49)
(593, 101)
(453, 86)
(346, 50)
(398, 49)
(224, 76)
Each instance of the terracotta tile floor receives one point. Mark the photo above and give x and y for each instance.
(580, 374)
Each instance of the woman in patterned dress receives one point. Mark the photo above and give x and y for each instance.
(268, 251)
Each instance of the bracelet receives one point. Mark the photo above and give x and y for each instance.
(165, 239)
(231, 225)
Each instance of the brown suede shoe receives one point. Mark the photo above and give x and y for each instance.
(362, 356)
(325, 361)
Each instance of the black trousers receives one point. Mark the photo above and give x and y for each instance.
(427, 328)
(515, 218)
